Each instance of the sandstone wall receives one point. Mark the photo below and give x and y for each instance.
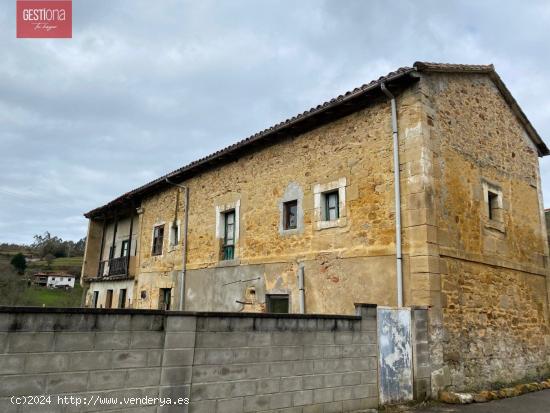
(352, 262)
(496, 323)
(494, 304)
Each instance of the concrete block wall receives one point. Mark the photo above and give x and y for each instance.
(289, 364)
(421, 354)
(223, 362)
(109, 354)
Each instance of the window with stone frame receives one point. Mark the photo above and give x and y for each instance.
(331, 203)
(228, 247)
(493, 202)
(158, 239)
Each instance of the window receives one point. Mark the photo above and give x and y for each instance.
(492, 204)
(227, 232)
(95, 299)
(70, 279)
(277, 303)
(112, 251)
(332, 209)
(125, 248)
(174, 234)
(228, 250)
(164, 298)
(158, 237)
(122, 298)
(109, 299)
(329, 203)
(290, 214)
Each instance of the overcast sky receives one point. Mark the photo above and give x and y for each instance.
(144, 87)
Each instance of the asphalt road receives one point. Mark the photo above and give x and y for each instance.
(536, 402)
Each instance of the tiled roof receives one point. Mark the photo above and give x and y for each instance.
(274, 132)
(452, 67)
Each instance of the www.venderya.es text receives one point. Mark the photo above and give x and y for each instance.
(97, 400)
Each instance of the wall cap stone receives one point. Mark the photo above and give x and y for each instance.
(127, 311)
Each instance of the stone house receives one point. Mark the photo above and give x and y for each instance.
(306, 216)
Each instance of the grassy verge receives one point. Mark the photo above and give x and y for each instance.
(51, 297)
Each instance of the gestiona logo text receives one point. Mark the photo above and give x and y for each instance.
(44, 19)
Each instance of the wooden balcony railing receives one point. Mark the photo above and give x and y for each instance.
(118, 266)
(115, 266)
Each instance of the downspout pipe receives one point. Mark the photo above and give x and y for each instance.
(181, 305)
(301, 289)
(397, 186)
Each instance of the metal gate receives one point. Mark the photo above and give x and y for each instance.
(394, 355)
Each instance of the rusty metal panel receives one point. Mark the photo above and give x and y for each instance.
(394, 355)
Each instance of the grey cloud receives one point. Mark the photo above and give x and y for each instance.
(146, 87)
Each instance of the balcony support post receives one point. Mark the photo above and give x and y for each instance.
(114, 241)
(133, 210)
(101, 247)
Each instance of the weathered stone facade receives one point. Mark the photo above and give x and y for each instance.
(474, 239)
(493, 272)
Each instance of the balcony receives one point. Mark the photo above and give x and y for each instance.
(116, 266)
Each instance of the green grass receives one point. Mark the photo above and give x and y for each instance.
(49, 297)
(57, 264)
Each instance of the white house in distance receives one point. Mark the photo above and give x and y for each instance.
(61, 281)
(55, 280)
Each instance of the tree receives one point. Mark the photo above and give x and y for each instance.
(50, 244)
(49, 258)
(19, 263)
(79, 247)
